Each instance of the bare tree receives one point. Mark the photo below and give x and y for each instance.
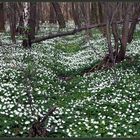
(106, 16)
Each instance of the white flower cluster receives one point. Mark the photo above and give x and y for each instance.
(102, 104)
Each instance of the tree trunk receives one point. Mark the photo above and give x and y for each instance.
(38, 15)
(75, 15)
(114, 16)
(125, 30)
(101, 17)
(52, 17)
(12, 20)
(2, 20)
(133, 24)
(20, 10)
(67, 11)
(59, 15)
(30, 32)
(32, 20)
(116, 37)
(108, 33)
(83, 11)
(93, 13)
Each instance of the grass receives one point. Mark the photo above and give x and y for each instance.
(68, 48)
(102, 104)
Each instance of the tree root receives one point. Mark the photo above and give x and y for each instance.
(104, 64)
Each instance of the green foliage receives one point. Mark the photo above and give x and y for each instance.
(101, 104)
(68, 48)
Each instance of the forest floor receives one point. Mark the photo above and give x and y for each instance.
(105, 103)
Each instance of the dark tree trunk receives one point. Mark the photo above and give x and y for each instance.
(115, 8)
(116, 37)
(2, 20)
(67, 11)
(93, 13)
(83, 10)
(52, 17)
(59, 15)
(20, 10)
(32, 20)
(38, 15)
(101, 17)
(75, 14)
(108, 33)
(12, 20)
(30, 33)
(20, 28)
(125, 30)
(134, 22)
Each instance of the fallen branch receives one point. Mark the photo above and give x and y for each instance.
(38, 127)
(85, 27)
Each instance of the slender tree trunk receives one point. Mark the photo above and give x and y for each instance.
(101, 17)
(75, 14)
(20, 28)
(59, 15)
(32, 20)
(52, 17)
(108, 32)
(120, 11)
(125, 31)
(83, 11)
(114, 16)
(67, 11)
(38, 15)
(12, 20)
(30, 33)
(2, 20)
(93, 13)
(134, 22)
(116, 37)
(20, 11)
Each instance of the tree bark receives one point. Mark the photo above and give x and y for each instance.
(52, 17)
(2, 20)
(93, 13)
(101, 17)
(135, 17)
(116, 37)
(12, 20)
(30, 32)
(59, 15)
(75, 14)
(32, 20)
(125, 30)
(66, 11)
(108, 32)
(20, 11)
